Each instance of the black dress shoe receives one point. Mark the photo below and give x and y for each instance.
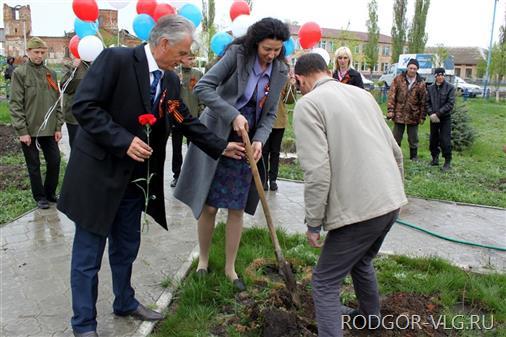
(43, 204)
(347, 311)
(174, 182)
(239, 284)
(85, 334)
(144, 314)
(266, 186)
(274, 185)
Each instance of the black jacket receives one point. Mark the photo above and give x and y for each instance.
(440, 100)
(114, 92)
(354, 78)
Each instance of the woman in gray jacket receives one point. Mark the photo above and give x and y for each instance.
(241, 91)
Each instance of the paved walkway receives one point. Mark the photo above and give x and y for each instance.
(35, 256)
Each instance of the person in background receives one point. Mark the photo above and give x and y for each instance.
(241, 93)
(353, 188)
(343, 72)
(189, 77)
(440, 103)
(269, 165)
(37, 119)
(70, 82)
(8, 75)
(406, 104)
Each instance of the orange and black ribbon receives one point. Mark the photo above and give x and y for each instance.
(172, 107)
(266, 93)
(51, 83)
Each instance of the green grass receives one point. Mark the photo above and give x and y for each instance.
(5, 117)
(199, 302)
(479, 172)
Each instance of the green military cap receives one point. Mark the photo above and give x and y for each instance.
(35, 43)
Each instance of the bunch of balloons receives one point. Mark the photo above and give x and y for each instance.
(241, 21)
(150, 11)
(85, 44)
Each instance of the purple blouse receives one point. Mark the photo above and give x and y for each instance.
(257, 79)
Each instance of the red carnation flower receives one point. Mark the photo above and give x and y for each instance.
(147, 119)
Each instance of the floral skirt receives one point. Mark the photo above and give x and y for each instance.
(233, 177)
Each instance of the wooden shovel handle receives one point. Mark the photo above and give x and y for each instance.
(261, 194)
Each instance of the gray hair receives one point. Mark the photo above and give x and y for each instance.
(174, 28)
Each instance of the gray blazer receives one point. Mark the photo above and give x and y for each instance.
(219, 90)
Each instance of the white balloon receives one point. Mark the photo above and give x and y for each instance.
(119, 4)
(241, 24)
(320, 51)
(89, 48)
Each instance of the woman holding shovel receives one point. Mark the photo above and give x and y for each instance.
(241, 92)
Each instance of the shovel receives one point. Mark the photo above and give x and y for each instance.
(283, 265)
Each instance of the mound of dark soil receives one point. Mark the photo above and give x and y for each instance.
(403, 314)
(9, 141)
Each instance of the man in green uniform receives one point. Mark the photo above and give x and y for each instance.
(189, 77)
(37, 118)
(69, 83)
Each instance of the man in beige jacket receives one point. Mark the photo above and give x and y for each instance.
(353, 188)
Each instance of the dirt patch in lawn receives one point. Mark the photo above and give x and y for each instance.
(9, 141)
(274, 315)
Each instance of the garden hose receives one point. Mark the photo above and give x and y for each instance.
(407, 224)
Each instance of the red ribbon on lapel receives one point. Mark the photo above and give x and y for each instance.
(263, 99)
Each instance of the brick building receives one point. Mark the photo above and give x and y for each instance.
(18, 30)
(356, 41)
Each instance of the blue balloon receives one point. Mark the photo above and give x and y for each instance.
(143, 23)
(192, 13)
(289, 46)
(220, 41)
(85, 28)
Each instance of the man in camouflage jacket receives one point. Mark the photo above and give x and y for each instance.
(406, 106)
(34, 94)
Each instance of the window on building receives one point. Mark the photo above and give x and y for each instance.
(363, 66)
(331, 45)
(323, 44)
(376, 67)
(356, 65)
(386, 50)
(457, 72)
(357, 49)
(384, 67)
(469, 72)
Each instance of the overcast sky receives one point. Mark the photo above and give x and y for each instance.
(449, 22)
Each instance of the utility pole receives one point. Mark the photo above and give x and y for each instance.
(487, 74)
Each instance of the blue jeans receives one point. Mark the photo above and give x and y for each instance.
(87, 251)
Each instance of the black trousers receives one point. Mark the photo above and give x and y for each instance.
(270, 155)
(52, 156)
(440, 138)
(72, 128)
(398, 133)
(177, 152)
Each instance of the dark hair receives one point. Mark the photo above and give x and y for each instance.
(267, 28)
(309, 64)
(10, 60)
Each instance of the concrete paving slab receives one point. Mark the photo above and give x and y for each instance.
(35, 256)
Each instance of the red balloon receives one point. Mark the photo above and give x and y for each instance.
(239, 8)
(74, 42)
(162, 10)
(146, 7)
(309, 35)
(86, 10)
